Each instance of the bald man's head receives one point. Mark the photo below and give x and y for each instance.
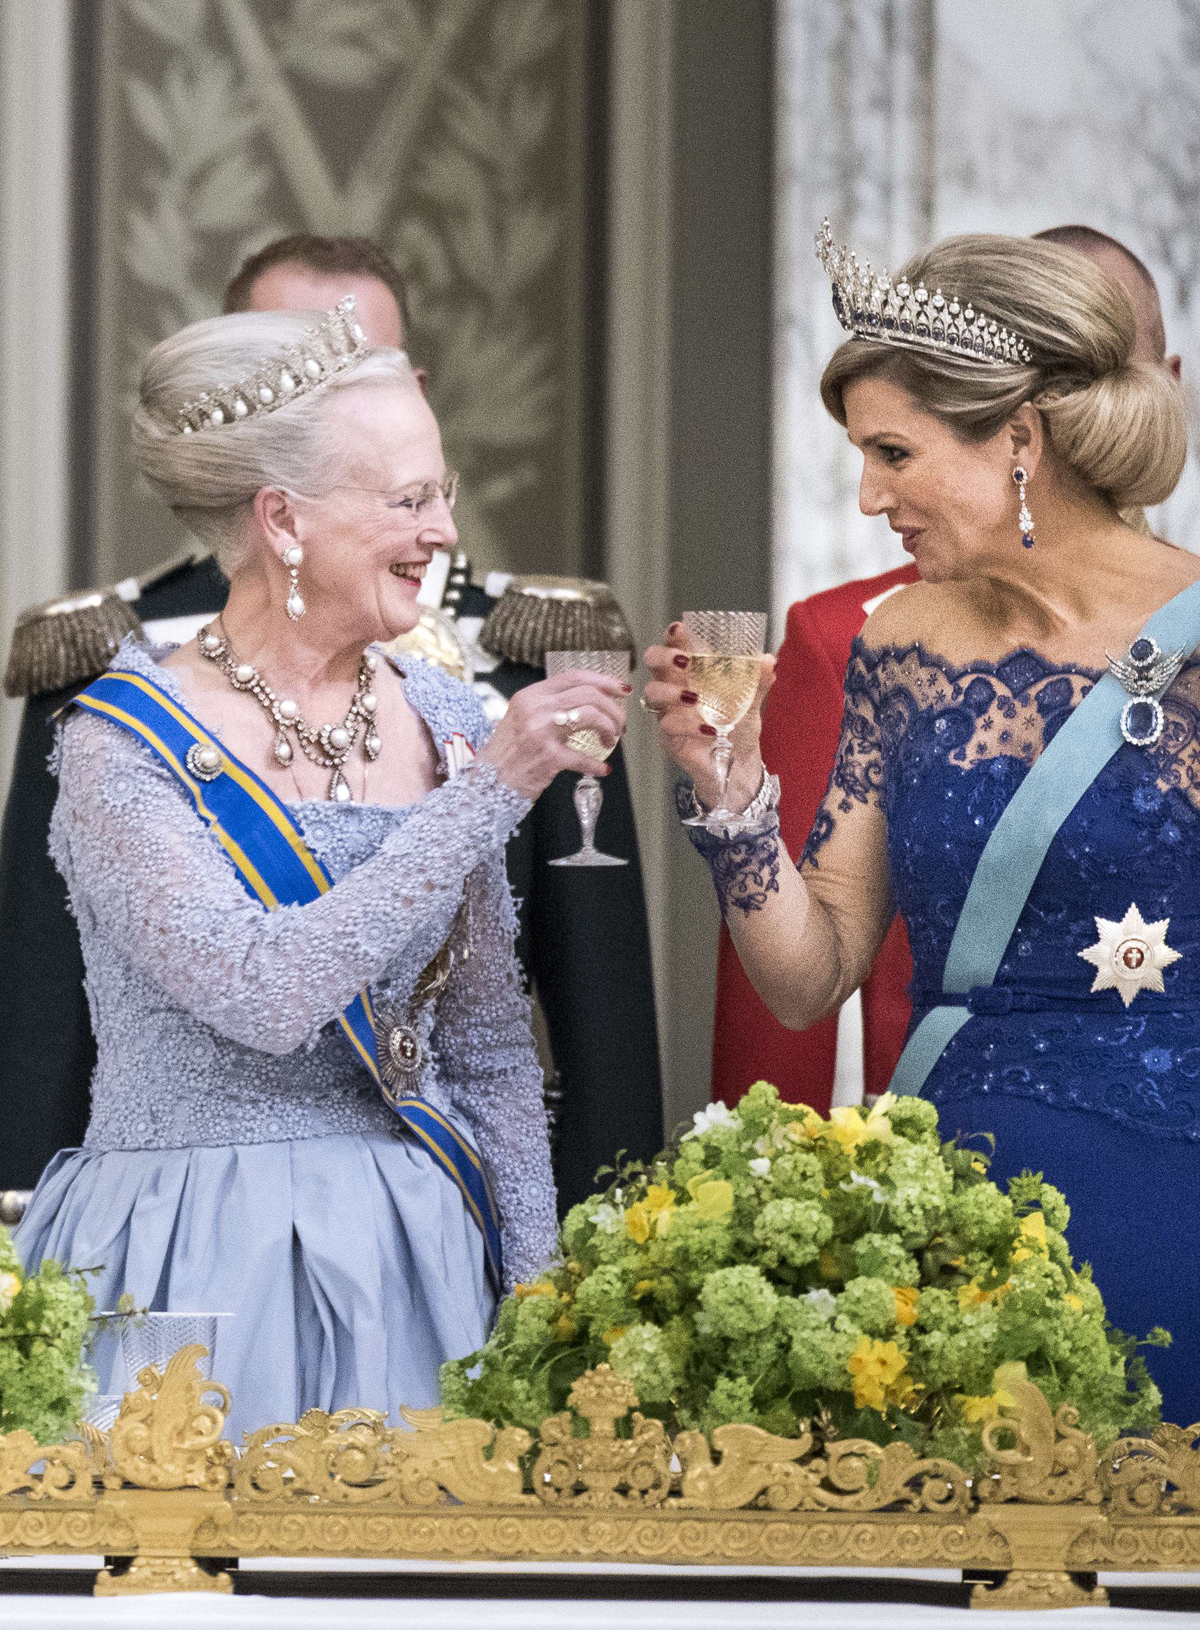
(1134, 276)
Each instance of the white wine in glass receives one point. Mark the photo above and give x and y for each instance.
(589, 794)
(726, 687)
(724, 665)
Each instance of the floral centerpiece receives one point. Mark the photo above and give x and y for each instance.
(45, 1322)
(778, 1268)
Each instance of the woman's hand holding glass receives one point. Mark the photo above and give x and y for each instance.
(676, 695)
(529, 746)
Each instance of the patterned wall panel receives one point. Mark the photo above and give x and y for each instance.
(453, 131)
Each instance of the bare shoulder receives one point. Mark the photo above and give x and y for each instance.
(929, 614)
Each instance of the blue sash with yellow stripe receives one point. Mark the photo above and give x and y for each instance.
(277, 868)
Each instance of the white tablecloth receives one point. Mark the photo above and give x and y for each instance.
(571, 1602)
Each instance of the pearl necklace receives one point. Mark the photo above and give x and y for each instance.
(328, 745)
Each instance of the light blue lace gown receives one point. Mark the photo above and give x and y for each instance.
(239, 1158)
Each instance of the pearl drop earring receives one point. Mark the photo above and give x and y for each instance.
(292, 559)
(1024, 518)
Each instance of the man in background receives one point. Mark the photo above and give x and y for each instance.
(801, 727)
(584, 939)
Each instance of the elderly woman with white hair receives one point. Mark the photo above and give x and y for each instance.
(317, 1103)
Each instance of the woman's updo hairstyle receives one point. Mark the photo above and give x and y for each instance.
(207, 477)
(1118, 424)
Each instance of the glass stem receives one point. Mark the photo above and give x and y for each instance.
(722, 757)
(588, 796)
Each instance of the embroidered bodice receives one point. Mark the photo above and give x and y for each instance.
(940, 750)
(215, 1021)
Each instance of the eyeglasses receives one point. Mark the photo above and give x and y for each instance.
(416, 499)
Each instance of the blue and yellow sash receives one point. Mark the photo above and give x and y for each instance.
(1013, 855)
(277, 868)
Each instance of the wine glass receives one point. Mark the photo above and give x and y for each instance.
(724, 667)
(588, 793)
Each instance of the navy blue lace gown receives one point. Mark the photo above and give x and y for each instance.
(1100, 1096)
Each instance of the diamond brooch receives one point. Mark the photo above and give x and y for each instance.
(1144, 673)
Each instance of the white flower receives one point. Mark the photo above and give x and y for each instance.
(824, 1301)
(764, 1145)
(760, 1167)
(858, 1180)
(606, 1219)
(9, 1286)
(709, 1118)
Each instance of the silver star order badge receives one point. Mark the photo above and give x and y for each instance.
(1130, 956)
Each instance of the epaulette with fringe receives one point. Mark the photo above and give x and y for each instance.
(73, 638)
(539, 614)
(67, 641)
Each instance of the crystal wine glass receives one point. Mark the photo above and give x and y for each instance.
(588, 793)
(724, 668)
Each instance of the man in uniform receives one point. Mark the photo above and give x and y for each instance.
(800, 732)
(584, 939)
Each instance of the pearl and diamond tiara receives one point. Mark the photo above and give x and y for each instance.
(323, 352)
(871, 307)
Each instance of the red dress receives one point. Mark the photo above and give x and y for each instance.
(802, 722)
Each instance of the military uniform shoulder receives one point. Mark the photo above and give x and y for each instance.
(70, 639)
(534, 615)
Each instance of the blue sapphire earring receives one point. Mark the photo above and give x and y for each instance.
(1024, 518)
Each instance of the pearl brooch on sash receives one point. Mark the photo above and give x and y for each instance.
(1129, 956)
(1145, 673)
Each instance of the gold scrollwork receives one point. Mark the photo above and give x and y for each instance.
(603, 1469)
(1050, 1462)
(167, 1436)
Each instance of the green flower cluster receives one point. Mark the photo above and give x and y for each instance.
(45, 1321)
(776, 1268)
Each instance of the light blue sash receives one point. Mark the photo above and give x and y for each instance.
(276, 867)
(1013, 855)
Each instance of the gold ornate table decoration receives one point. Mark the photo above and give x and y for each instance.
(600, 1482)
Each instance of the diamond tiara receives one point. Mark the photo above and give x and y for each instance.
(871, 307)
(324, 351)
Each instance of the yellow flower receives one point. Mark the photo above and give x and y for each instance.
(978, 1411)
(541, 1288)
(1075, 1303)
(806, 1126)
(565, 1328)
(10, 1284)
(906, 1304)
(713, 1196)
(643, 1287)
(877, 1124)
(978, 1164)
(650, 1215)
(828, 1265)
(878, 1369)
(1033, 1233)
(972, 1294)
(613, 1333)
(847, 1127)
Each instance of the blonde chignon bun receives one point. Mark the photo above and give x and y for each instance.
(1119, 425)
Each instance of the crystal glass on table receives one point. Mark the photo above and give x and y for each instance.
(724, 666)
(589, 794)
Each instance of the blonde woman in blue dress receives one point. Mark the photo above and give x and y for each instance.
(242, 1155)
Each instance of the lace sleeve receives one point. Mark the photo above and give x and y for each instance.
(856, 780)
(137, 859)
(486, 1058)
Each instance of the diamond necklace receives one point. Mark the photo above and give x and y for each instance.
(328, 745)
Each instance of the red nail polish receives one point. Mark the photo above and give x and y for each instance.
(707, 730)
(680, 661)
(688, 696)
(628, 689)
(674, 628)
